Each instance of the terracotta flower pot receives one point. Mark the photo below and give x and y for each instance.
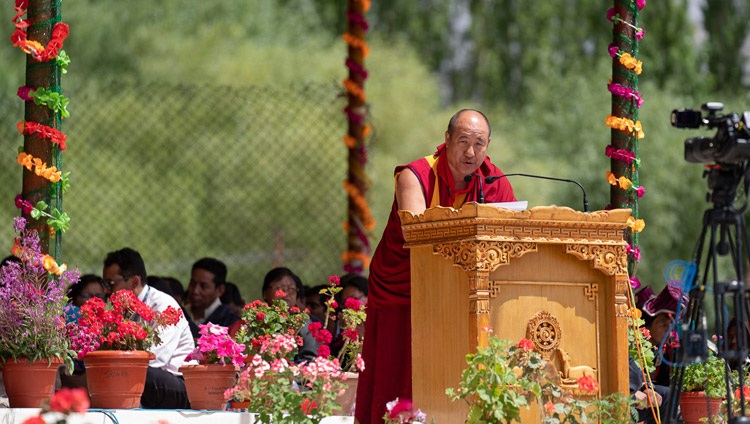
(239, 406)
(29, 383)
(207, 383)
(695, 405)
(348, 399)
(116, 378)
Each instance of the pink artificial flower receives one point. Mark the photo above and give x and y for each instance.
(611, 13)
(641, 4)
(635, 283)
(613, 50)
(24, 205)
(25, 93)
(640, 191)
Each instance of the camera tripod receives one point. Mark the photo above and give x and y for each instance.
(723, 235)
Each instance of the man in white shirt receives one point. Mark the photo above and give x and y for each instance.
(165, 389)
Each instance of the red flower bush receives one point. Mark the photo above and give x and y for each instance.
(125, 324)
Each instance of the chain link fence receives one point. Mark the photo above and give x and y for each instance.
(252, 176)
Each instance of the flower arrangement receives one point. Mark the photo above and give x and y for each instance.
(32, 301)
(215, 346)
(125, 324)
(268, 330)
(503, 378)
(281, 391)
(352, 319)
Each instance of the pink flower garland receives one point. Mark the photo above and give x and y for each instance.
(626, 92)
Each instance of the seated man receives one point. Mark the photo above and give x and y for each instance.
(165, 389)
(207, 284)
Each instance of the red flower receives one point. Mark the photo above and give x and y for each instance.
(308, 405)
(745, 390)
(588, 383)
(549, 407)
(324, 336)
(280, 294)
(353, 304)
(260, 316)
(334, 280)
(351, 334)
(324, 351)
(403, 405)
(34, 420)
(526, 344)
(314, 328)
(68, 400)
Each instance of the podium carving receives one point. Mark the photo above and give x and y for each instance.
(553, 275)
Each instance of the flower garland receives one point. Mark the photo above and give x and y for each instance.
(56, 220)
(359, 222)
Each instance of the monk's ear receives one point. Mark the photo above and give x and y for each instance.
(447, 137)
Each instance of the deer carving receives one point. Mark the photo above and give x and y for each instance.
(573, 373)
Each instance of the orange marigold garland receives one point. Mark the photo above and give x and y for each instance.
(359, 223)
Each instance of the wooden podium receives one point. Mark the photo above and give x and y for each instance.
(549, 274)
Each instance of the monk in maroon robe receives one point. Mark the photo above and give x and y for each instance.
(436, 180)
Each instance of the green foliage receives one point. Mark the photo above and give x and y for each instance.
(707, 376)
(503, 378)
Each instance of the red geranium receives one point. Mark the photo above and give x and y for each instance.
(125, 324)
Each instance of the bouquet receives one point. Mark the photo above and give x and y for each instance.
(271, 330)
(352, 318)
(215, 346)
(32, 301)
(125, 324)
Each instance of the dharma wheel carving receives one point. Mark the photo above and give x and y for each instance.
(544, 330)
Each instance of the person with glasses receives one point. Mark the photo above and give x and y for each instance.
(88, 286)
(165, 388)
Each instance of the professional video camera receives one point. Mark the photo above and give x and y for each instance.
(731, 144)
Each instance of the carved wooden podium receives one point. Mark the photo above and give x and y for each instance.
(549, 274)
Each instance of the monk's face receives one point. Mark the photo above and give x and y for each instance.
(467, 146)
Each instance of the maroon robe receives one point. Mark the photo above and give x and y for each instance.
(387, 346)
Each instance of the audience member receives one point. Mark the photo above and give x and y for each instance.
(732, 342)
(165, 389)
(233, 298)
(88, 286)
(284, 279)
(207, 280)
(353, 286)
(659, 314)
(178, 291)
(160, 284)
(315, 303)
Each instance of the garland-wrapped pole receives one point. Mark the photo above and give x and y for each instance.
(626, 127)
(359, 218)
(41, 36)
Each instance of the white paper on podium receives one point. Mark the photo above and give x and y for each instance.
(520, 205)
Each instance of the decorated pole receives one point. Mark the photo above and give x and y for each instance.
(41, 36)
(359, 218)
(623, 120)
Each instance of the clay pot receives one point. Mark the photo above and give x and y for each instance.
(207, 383)
(29, 383)
(695, 405)
(116, 378)
(348, 399)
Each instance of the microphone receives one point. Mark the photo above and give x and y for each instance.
(481, 187)
(492, 178)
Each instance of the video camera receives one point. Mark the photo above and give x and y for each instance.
(730, 144)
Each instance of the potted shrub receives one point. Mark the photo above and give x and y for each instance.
(32, 300)
(219, 358)
(113, 340)
(700, 381)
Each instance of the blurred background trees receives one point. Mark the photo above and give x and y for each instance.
(538, 68)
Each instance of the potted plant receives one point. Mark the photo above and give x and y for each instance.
(700, 381)
(32, 302)
(351, 319)
(117, 336)
(262, 322)
(503, 378)
(219, 358)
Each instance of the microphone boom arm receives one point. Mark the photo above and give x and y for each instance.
(491, 179)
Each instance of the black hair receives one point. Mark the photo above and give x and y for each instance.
(354, 280)
(232, 295)
(280, 272)
(159, 284)
(215, 267)
(75, 289)
(129, 261)
(175, 286)
(454, 118)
